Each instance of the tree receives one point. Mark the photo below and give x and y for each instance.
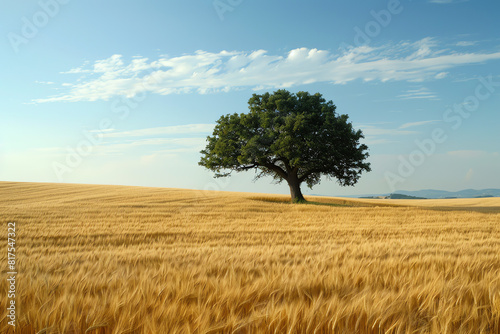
(292, 137)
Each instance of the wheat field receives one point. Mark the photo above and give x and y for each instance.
(113, 259)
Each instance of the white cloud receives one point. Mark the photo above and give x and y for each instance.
(169, 140)
(167, 130)
(206, 72)
(441, 75)
(44, 82)
(145, 145)
(172, 144)
(383, 135)
(158, 140)
(423, 48)
(78, 70)
(419, 93)
(413, 124)
(370, 130)
(466, 43)
(375, 135)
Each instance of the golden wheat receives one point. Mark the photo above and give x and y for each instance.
(109, 259)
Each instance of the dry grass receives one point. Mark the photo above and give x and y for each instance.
(105, 259)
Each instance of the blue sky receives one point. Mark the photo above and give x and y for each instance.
(125, 92)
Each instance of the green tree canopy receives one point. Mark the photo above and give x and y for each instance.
(293, 137)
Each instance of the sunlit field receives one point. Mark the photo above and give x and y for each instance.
(110, 259)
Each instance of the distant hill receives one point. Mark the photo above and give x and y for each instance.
(467, 193)
(434, 194)
(392, 196)
(402, 196)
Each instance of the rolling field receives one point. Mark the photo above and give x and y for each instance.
(111, 259)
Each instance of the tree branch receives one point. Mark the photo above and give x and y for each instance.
(276, 169)
(247, 167)
(286, 162)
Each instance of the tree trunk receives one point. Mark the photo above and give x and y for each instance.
(294, 184)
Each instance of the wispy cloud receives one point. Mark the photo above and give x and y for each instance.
(419, 93)
(441, 75)
(466, 43)
(167, 130)
(371, 130)
(375, 134)
(206, 72)
(188, 138)
(152, 145)
(141, 146)
(414, 124)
